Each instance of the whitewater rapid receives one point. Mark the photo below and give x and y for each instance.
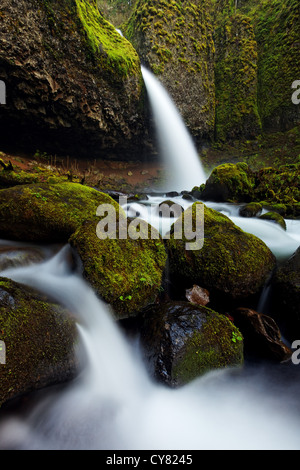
(114, 404)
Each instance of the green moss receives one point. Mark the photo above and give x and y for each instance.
(47, 212)
(251, 210)
(231, 263)
(236, 78)
(277, 31)
(171, 38)
(279, 185)
(216, 345)
(274, 217)
(126, 273)
(112, 50)
(230, 182)
(39, 338)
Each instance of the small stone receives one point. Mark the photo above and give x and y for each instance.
(197, 295)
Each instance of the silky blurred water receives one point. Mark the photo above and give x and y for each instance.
(114, 404)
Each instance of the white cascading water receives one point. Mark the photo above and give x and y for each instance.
(114, 405)
(183, 166)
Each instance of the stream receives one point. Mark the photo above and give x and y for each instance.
(114, 405)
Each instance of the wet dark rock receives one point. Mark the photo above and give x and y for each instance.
(182, 341)
(14, 256)
(253, 209)
(262, 336)
(285, 296)
(170, 209)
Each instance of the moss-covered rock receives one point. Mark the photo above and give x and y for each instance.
(230, 182)
(126, 272)
(74, 84)
(275, 189)
(274, 217)
(252, 209)
(39, 337)
(256, 63)
(175, 40)
(47, 213)
(14, 178)
(182, 341)
(231, 264)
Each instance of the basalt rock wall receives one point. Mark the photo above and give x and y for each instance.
(73, 84)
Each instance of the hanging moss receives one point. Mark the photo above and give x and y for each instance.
(277, 30)
(106, 44)
(236, 79)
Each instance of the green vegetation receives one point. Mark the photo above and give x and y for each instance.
(107, 45)
(236, 79)
(39, 336)
(48, 212)
(220, 265)
(175, 40)
(126, 273)
(256, 64)
(216, 345)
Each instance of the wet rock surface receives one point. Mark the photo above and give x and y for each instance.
(182, 341)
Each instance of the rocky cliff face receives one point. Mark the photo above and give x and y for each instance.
(277, 29)
(73, 83)
(229, 65)
(236, 78)
(175, 40)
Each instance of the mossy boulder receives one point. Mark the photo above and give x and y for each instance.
(47, 213)
(274, 217)
(74, 84)
(230, 263)
(230, 182)
(285, 296)
(182, 341)
(276, 188)
(39, 336)
(252, 209)
(126, 272)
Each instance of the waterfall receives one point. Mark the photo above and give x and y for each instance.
(181, 160)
